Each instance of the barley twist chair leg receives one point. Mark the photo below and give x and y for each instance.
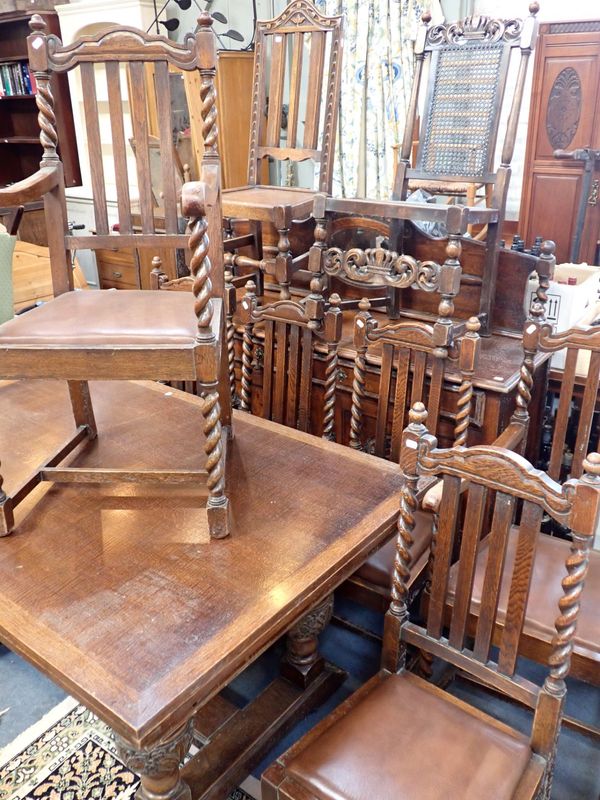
(218, 504)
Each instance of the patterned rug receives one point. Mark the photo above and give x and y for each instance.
(70, 755)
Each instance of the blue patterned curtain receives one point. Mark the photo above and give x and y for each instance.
(377, 73)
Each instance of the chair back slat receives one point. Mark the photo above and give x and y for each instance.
(268, 363)
(115, 106)
(563, 413)
(385, 384)
(529, 530)
(474, 518)
(443, 555)
(276, 86)
(295, 86)
(400, 395)
(436, 381)
(281, 375)
(504, 507)
(167, 160)
(306, 376)
(90, 108)
(137, 91)
(417, 389)
(586, 414)
(315, 88)
(292, 379)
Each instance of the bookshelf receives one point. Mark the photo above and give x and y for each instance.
(20, 149)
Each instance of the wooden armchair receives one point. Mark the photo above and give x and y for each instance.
(111, 335)
(414, 360)
(537, 635)
(291, 332)
(437, 745)
(468, 66)
(297, 45)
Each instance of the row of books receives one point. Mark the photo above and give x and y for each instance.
(16, 78)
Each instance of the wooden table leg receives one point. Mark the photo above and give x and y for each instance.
(302, 661)
(158, 766)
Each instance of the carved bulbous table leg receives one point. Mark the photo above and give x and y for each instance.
(158, 766)
(302, 661)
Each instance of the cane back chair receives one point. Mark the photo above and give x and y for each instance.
(290, 334)
(136, 334)
(582, 346)
(297, 45)
(447, 748)
(468, 67)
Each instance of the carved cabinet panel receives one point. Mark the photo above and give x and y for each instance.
(564, 115)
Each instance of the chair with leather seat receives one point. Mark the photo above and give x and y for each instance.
(582, 364)
(435, 744)
(122, 335)
(297, 56)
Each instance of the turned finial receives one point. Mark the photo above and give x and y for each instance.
(156, 263)
(364, 304)
(547, 248)
(591, 466)
(417, 414)
(228, 275)
(315, 285)
(250, 289)
(335, 300)
(426, 17)
(205, 20)
(473, 325)
(37, 24)
(534, 8)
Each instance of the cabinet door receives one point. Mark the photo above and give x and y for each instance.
(565, 114)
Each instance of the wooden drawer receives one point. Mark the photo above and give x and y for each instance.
(117, 269)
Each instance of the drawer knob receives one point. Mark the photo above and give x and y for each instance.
(117, 274)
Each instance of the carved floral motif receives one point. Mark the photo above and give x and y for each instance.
(475, 27)
(564, 108)
(380, 267)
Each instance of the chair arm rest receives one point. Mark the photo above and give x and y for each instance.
(31, 188)
(511, 437)
(433, 497)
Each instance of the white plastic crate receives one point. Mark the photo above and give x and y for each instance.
(567, 304)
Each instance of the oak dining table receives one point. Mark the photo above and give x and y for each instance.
(118, 594)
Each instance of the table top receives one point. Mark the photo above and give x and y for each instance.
(117, 592)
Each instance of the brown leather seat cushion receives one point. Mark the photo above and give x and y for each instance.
(106, 317)
(542, 607)
(378, 568)
(407, 740)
